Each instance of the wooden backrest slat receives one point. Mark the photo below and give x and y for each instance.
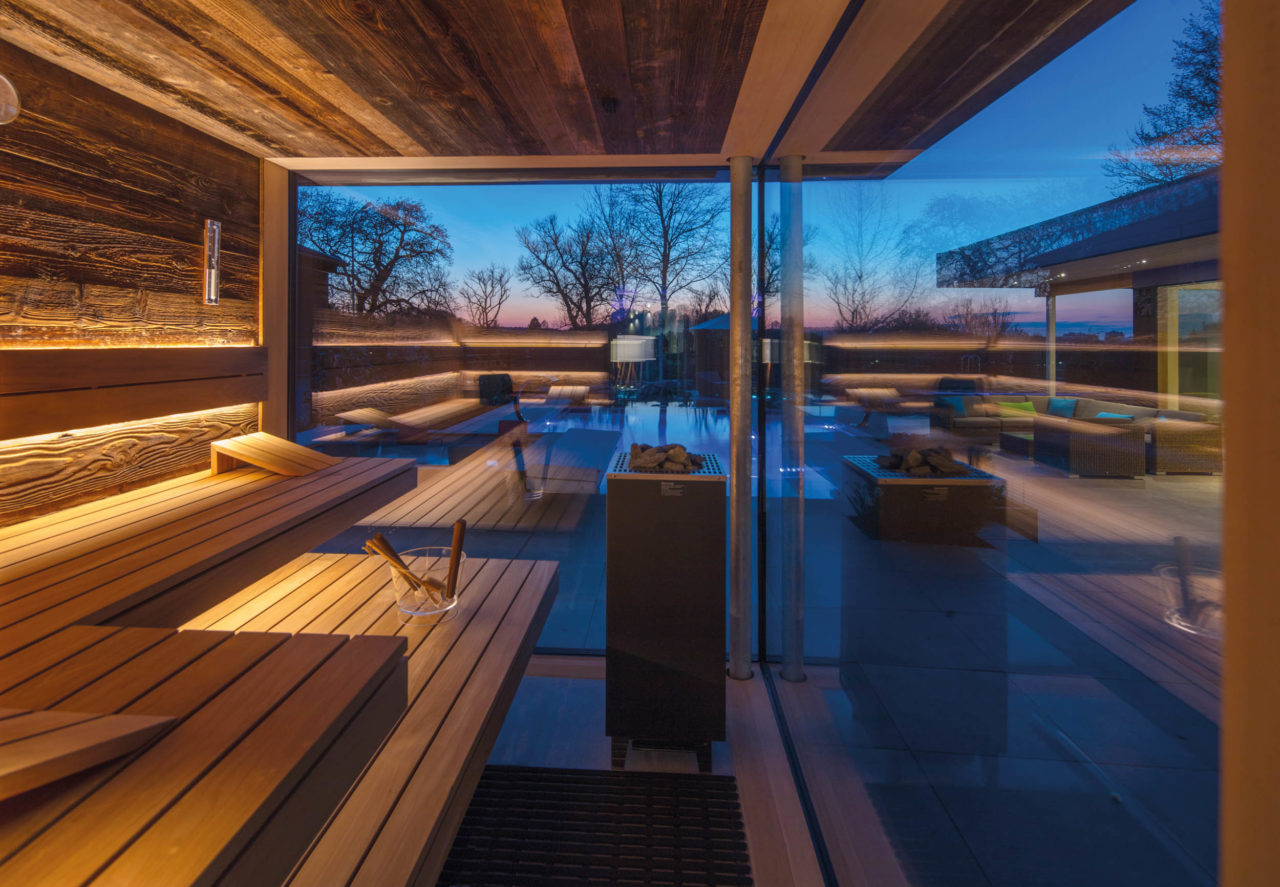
(451, 654)
(47, 758)
(47, 689)
(269, 452)
(186, 845)
(415, 821)
(73, 848)
(32, 723)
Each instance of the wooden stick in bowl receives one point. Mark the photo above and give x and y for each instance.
(455, 557)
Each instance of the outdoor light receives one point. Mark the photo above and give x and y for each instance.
(10, 107)
(212, 250)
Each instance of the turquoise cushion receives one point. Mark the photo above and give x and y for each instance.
(1113, 416)
(955, 402)
(1062, 406)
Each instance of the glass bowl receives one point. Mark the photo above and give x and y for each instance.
(430, 562)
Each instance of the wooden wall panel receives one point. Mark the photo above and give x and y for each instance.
(43, 474)
(102, 209)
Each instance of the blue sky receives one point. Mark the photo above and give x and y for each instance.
(1040, 147)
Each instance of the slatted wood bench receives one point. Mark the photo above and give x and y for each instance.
(396, 824)
(252, 714)
(168, 550)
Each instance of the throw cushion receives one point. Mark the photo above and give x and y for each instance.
(953, 401)
(1062, 406)
(1016, 408)
(1113, 416)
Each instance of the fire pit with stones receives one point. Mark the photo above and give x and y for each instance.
(668, 459)
(923, 462)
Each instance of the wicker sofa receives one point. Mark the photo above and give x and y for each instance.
(1075, 438)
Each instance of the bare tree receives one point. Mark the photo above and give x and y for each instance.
(394, 259)
(678, 236)
(707, 301)
(483, 292)
(985, 317)
(768, 290)
(874, 281)
(568, 265)
(613, 216)
(1183, 135)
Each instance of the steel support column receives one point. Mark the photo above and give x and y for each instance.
(1051, 342)
(791, 547)
(740, 417)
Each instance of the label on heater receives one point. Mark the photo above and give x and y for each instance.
(672, 488)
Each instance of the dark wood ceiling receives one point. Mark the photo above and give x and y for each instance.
(561, 83)
(387, 77)
(973, 53)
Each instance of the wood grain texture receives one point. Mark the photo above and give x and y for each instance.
(44, 412)
(335, 78)
(46, 474)
(41, 759)
(972, 54)
(102, 207)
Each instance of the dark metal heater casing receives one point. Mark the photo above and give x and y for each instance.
(665, 599)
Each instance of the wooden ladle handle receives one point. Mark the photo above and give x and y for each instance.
(455, 556)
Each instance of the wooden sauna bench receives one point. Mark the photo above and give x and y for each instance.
(246, 721)
(169, 550)
(396, 824)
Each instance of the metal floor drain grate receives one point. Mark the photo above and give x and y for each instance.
(531, 825)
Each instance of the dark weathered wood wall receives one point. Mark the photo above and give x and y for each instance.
(102, 209)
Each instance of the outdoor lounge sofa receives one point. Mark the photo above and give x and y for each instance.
(1088, 436)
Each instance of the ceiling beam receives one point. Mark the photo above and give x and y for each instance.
(792, 36)
(880, 36)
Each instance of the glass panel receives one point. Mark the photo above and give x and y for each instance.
(514, 340)
(1012, 491)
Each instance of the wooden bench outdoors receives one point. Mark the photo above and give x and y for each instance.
(485, 488)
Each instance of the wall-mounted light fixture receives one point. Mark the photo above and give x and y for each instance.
(10, 107)
(212, 251)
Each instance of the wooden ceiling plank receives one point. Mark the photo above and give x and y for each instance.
(250, 21)
(975, 52)
(234, 50)
(791, 36)
(52, 46)
(597, 27)
(160, 55)
(404, 60)
(882, 32)
(532, 64)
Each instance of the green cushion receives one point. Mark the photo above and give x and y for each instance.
(1062, 406)
(1016, 407)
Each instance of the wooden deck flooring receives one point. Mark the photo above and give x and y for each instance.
(562, 471)
(1100, 540)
